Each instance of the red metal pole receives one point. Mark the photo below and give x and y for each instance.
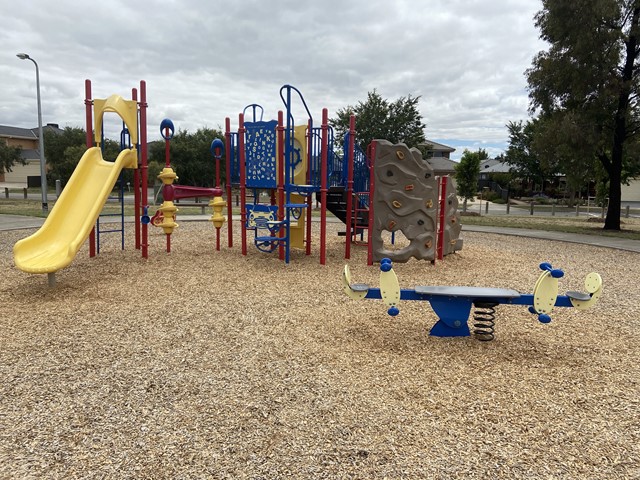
(243, 179)
(217, 157)
(137, 211)
(88, 103)
(167, 190)
(351, 154)
(308, 182)
(218, 171)
(441, 216)
(227, 136)
(324, 155)
(281, 196)
(372, 156)
(143, 159)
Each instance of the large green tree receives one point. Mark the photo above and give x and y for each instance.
(63, 151)
(591, 72)
(467, 172)
(9, 156)
(398, 121)
(523, 155)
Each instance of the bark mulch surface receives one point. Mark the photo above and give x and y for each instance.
(205, 364)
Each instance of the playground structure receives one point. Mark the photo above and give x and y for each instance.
(165, 216)
(452, 304)
(72, 219)
(393, 189)
(290, 161)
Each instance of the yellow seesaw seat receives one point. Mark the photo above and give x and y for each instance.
(69, 223)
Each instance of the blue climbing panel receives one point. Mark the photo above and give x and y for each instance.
(260, 151)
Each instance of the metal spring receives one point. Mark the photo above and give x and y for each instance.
(484, 318)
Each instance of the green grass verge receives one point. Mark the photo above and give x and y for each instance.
(630, 226)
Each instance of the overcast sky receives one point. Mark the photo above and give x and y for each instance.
(204, 61)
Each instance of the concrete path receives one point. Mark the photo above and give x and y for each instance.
(595, 240)
(17, 222)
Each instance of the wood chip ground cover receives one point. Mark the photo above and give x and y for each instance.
(205, 364)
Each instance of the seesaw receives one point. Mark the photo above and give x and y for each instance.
(453, 304)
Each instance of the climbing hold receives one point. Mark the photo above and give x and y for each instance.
(409, 187)
(400, 155)
(391, 225)
(396, 204)
(429, 203)
(428, 244)
(393, 311)
(453, 220)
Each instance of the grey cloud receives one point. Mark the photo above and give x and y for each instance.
(206, 60)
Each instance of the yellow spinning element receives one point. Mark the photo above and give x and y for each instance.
(217, 204)
(168, 208)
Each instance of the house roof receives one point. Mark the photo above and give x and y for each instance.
(494, 166)
(436, 147)
(28, 133)
(17, 132)
(441, 165)
(30, 154)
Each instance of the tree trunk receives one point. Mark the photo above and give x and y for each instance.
(612, 222)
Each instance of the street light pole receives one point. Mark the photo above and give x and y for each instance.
(43, 166)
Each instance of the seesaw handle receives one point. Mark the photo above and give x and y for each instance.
(555, 272)
(389, 286)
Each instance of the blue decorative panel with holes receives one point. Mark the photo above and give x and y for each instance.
(260, 151)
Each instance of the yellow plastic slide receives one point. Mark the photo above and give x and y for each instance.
(69, 223)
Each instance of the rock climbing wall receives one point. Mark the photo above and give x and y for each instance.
(405, 196)
(406, 200)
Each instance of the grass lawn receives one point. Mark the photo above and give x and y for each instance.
(630, 226)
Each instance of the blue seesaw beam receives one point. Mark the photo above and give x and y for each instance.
(452, 304)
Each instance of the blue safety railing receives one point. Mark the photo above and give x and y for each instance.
(234, 173)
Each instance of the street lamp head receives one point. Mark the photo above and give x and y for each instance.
(22, 56)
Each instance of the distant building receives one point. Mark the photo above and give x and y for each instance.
(492, 165)
(27, 138)
(439, 157)
(631, 192)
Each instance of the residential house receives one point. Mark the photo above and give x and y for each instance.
(439, 157)
(27, 138)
